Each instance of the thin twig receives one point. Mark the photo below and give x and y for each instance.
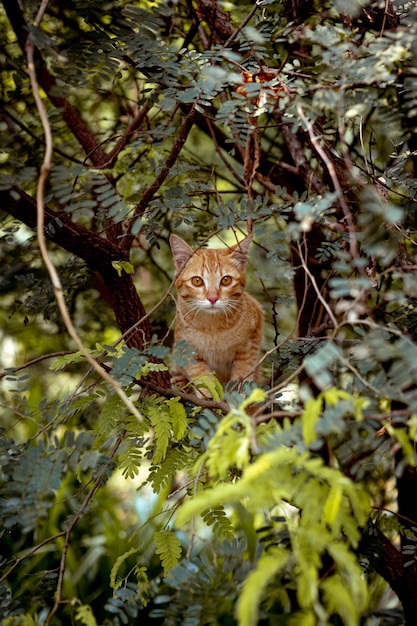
(41, 13)
(243, 24)
(336, 184)
(75, 520)
(316, 289)
(30, 553)
(44, 173)
(136, 325)
(186, 127)
(11, 370)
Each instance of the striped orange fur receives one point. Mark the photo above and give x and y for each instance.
(217, 318)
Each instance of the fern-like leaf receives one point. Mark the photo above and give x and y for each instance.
(115, 584)
(221, 524)
(159, 475)
(109, 417)
(130, 460)
(168, 546)
(255, 584)
(161, 422)
(143, 584)
(178, 418)
(337, 597)
(66, 359)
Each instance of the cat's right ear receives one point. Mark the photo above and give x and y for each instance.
(181, 251)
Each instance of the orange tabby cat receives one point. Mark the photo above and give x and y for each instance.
(217, 318)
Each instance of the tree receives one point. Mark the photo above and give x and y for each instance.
(121, 497)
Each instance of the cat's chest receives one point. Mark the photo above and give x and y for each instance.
(217, 348)
(210, 341)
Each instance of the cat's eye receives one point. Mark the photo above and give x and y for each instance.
(226, 280)
(197, 281)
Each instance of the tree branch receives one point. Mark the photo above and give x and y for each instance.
(159, 180)
(47, 81)
(389, 563)
(40, 191)
(96, 251)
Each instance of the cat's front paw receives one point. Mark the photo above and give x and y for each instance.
(203, 392)
(179, 381)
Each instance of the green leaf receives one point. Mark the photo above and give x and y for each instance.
(210, 383)
(123, 266)
(19, 620)
(165, 471)
(256, 396)
(178, 418)
(75, 357)
(130, 460)
(352, 572)
(229, 447)
(220, 523)
(168, 546)
(84, 615)
(62, 361)
(333, 503)
(310, 417)
(160, 418)
(149, 367)
(116, 584)
(110, 416)
(338, 599)
(303, 618)
(266, 568)
(404, 440)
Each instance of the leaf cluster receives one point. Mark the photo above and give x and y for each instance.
(296, 122)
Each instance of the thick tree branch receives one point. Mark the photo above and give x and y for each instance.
(96, 251)
(390, 564)
(159, 180)
(216, 18)
(46, 80)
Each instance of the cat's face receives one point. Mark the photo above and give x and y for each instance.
(212, 280)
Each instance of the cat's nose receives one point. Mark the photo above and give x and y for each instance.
(212, 299)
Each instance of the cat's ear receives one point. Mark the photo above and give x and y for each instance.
(240, 252)
(181, 251)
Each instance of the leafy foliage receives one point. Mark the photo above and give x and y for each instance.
(282, 504)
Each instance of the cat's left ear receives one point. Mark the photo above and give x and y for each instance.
(240, 252)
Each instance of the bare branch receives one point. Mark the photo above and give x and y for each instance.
(56, 282)
(159, 180)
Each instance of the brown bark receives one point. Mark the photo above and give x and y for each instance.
(47, 81)
(98, 253)
(149, 193)
(391, 565)
(216, 19)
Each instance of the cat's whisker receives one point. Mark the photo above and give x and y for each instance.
(230, 307)
(190, 312)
